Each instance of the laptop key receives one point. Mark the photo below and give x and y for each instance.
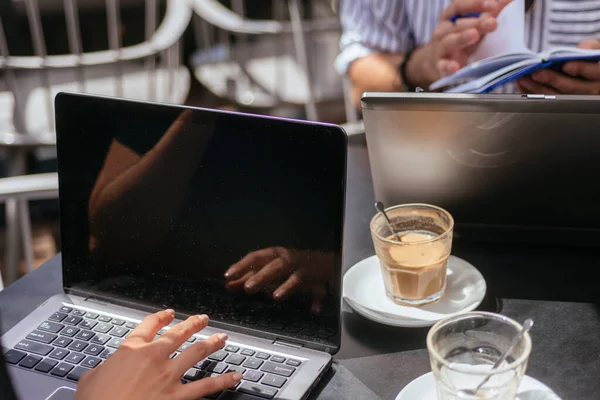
(235, 359)
(193, 374)
(94, 349)
(49, 326)
(57, 316)
(88, 324)
(218, 356)
(203, 364)
(191, 339)
(174, 354)
(278, 359)
(131, 325)
(62, 342)
(104, 318)
(293, 363)
(78, 345)
(273, 380)
(72, 320)
(70, 331)
(76, 374)
(33, 347)
(119, 322)
(46, 365)
(115, 343)
(65, 309)
(248, 352)
(218, 368)
(78, 313)
(59, 354)
(75, 358)
(100, 338)
(30, 361)
(85, 335)
(107, 352)
(232, 349)
(257, 390)
(234, 368)
(62, 369)
(14, 356)
(253, 363)
(278, 369)
(42, 337)
(91, 315)
(119, 331)
(263, 356)
(103, 327)
(91, 362)
(253, 376)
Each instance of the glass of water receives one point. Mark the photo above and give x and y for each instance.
(463, 349)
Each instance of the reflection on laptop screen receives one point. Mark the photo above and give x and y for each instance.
(237, 217)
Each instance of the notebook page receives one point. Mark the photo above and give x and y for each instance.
(509, 36)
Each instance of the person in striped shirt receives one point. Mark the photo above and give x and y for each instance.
(398, 45)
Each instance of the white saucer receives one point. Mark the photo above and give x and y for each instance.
(365, 293)
(423, 388)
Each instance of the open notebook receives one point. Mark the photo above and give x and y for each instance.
(486, 75)
(502, 57)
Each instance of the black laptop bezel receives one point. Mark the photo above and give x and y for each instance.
(62, 102)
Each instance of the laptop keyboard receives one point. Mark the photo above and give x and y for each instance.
(71, 342)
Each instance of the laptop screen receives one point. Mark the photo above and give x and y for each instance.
(239, 217)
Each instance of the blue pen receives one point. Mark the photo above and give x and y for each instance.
(467, 15)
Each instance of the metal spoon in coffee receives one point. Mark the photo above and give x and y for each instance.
(381, 208)
(527, 324)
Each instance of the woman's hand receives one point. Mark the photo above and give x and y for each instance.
(141, 368)
(290, 270)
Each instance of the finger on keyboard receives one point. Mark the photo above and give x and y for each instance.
(200, 350)
(150, 326)
(172, 339)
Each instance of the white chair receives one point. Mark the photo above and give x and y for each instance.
(272, 63)
(150, 70)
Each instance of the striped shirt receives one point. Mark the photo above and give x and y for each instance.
(397, 26)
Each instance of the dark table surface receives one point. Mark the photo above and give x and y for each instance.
(553, 285)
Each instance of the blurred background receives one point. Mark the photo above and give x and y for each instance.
(272, 57)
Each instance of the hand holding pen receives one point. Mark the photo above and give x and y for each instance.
(462, 25)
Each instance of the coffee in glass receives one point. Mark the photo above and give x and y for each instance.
(414, 267)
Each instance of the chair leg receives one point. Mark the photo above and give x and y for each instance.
(11, 263)
(26, 236)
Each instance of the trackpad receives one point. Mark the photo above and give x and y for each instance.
(62, 393)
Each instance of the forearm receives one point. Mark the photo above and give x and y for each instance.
(150, 192)
(377, 72)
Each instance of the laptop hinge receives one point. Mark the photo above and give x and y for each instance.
(282, 342)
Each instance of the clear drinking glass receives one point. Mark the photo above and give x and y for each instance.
(414, 268)
(463, 348)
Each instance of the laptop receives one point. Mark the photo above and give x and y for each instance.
(510, 168)
(158, 203)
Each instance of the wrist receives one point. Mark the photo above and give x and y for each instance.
(418, 70)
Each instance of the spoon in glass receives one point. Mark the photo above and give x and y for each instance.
(381, 208)
(527, 324)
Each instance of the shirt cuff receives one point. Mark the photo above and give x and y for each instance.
(350, 54)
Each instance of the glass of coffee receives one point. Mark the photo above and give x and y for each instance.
(463, 350)
(414, 259)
